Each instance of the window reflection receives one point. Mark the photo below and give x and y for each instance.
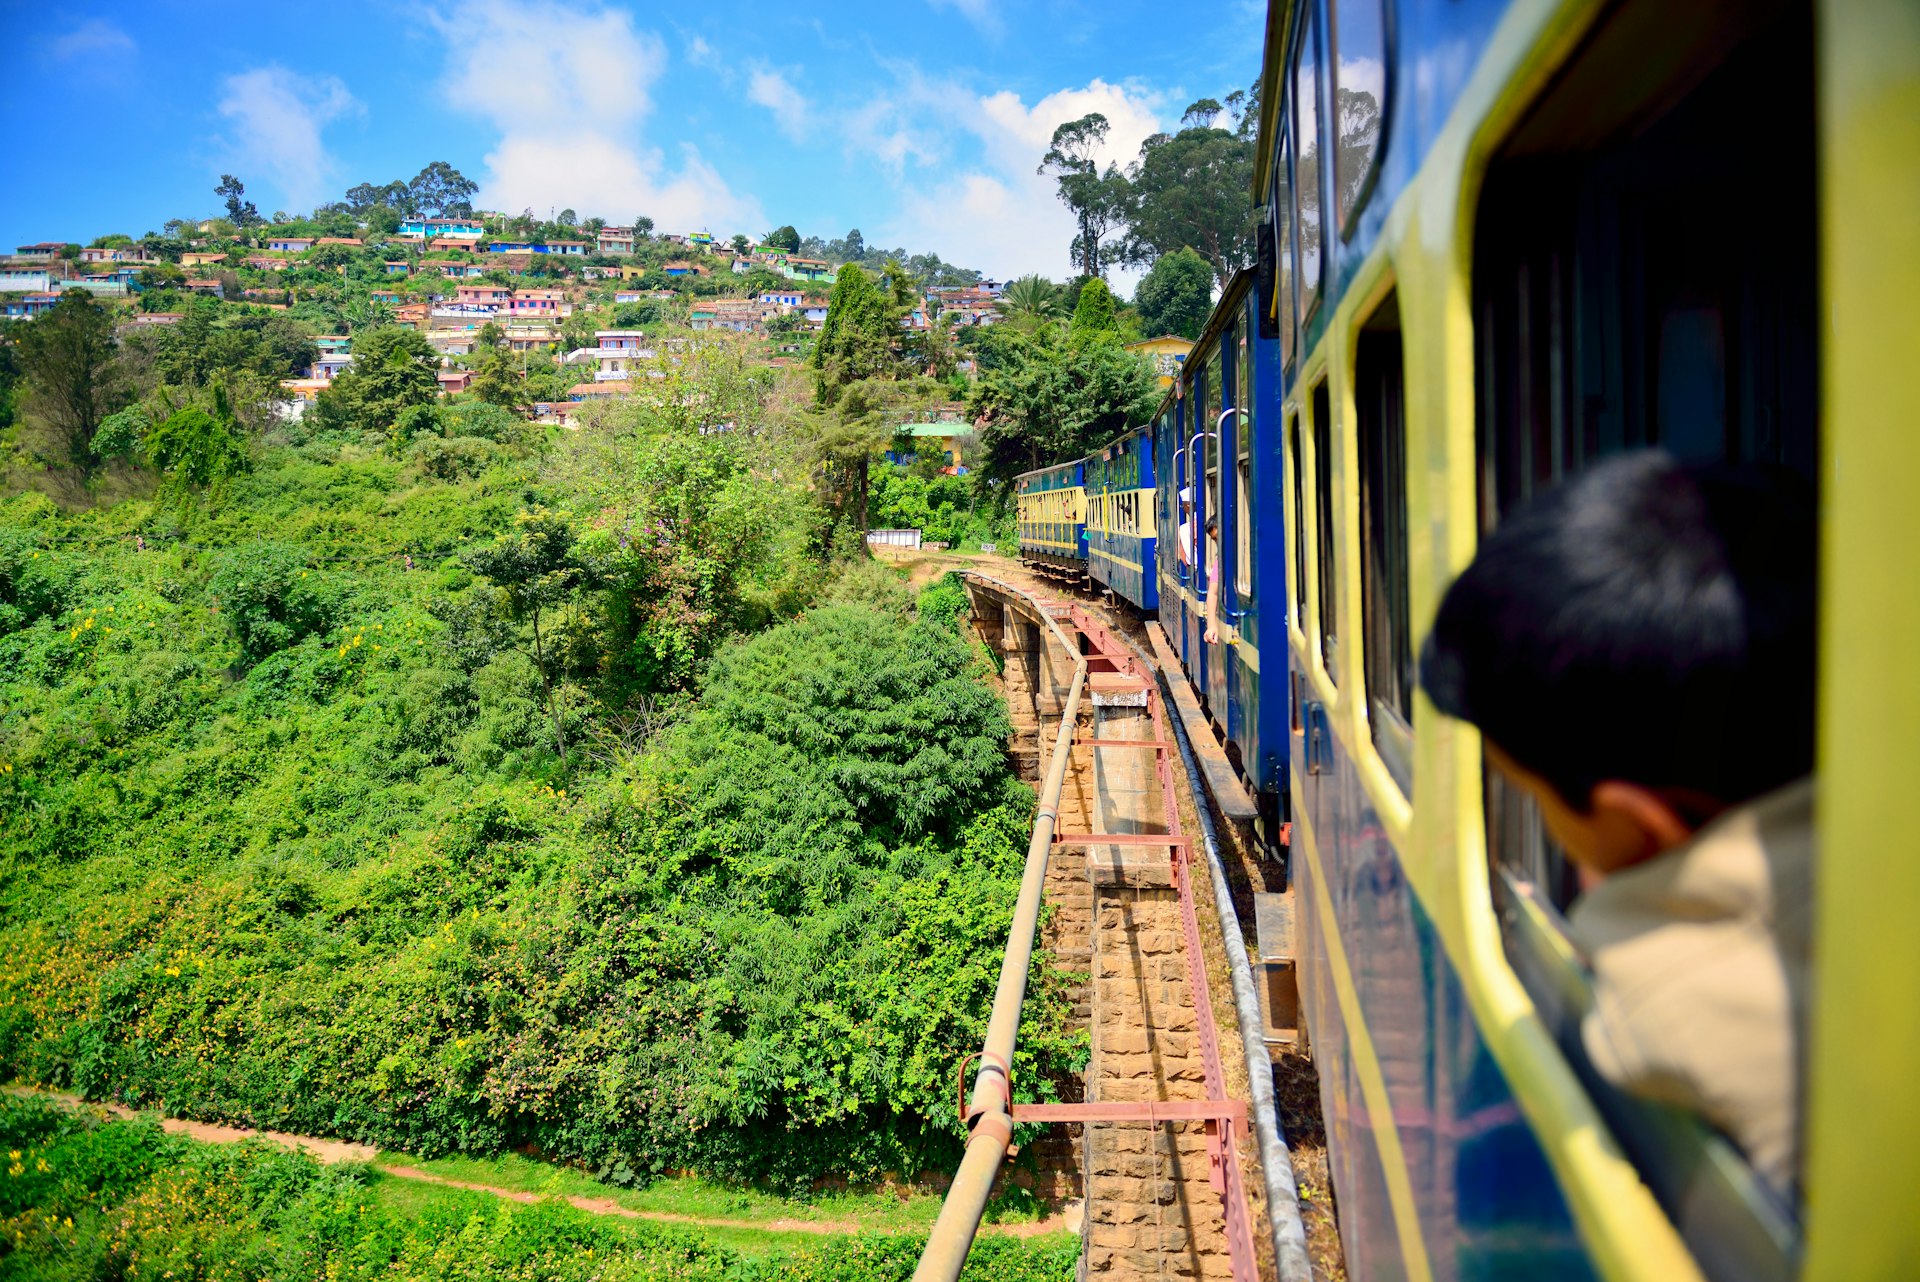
(1306, 182)
(1357, 40)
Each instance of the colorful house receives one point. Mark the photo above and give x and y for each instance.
(291, 244)
(121, 254)
(1168, 353)
(941, 439)
(34, 280)
(567, 248)
(455, 381)
(330, 366)
(616, 240)
(31, 305)
(397, 269)
(453, 228)
(807, 269)
(536, 304)
(331, 344)
(41, 251)
(482, 295)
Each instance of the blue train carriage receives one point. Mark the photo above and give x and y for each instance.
(1052, 510)
(1543, 232)
(1217, 441)
(1121, 532)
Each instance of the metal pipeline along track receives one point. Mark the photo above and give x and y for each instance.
(990, 1112)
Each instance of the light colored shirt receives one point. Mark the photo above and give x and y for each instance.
(1702, 966)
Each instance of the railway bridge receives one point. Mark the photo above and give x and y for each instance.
(1175, 1145)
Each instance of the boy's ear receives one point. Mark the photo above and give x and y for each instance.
(1631, 814)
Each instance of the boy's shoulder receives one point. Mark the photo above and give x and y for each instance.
(1700, 960)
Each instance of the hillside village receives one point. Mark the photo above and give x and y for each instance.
(582, 303)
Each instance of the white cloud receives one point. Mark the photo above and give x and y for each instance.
(791, 110)
(569, 89)
(96, 38)
(277, 117)
(998, 214)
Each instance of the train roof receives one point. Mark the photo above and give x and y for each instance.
(1273, 96)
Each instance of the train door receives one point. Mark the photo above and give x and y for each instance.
(1220, 428)
(1193, 646)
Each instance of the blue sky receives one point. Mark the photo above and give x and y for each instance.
(919, 121)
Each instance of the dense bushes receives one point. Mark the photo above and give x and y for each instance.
(84, 1199)
(288, 839)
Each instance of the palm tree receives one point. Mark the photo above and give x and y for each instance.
(369, 314)
(1032, 298)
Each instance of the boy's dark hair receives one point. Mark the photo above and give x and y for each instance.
(1648, 622)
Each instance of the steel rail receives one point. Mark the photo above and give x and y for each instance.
(989, 1119)
(1283, 1194)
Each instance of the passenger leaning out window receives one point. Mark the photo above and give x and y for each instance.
(1637, 650)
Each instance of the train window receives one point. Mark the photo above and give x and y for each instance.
(1645, 275)
(1323, 530)
(1243, 513)
(1299, 525)
(1211, 443)
(1282, 204)
(1357, 57)
(1306, 173)
(1385, 616)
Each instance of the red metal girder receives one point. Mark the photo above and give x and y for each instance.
(1118, 839)
(1153, 1110)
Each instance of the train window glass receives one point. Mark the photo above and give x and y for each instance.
(1306, 171)
(1211, 443)
(1243, 514)
(1299, 524)
(1385, 622)
(1323, 530)
(1357, 55)
(1284, 301)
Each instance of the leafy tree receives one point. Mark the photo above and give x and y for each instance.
(643, 228)
(196, 449)
(1093, 314)
(443, 190)
(1191, 190)
(73, 377)
(210, 340)
(568, 218)
(741, 244)
(1176, 295)
(392, 369)
(1043, 398)
(1097, 198)
(539, 570)
(240, 211)
(857, 339)
(783, 238)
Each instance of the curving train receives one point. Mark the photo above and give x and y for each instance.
(1498, 241)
